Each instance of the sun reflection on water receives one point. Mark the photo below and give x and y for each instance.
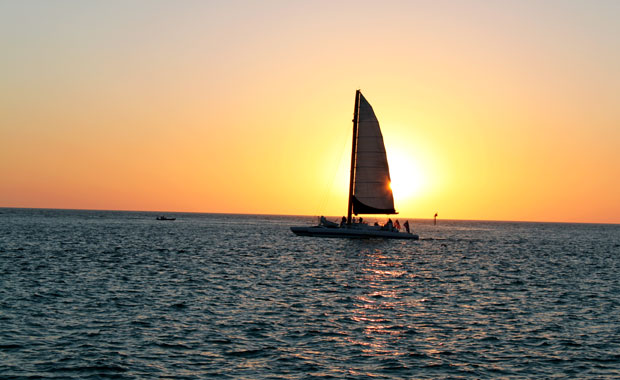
(376, 308)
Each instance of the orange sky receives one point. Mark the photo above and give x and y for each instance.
(503, 111)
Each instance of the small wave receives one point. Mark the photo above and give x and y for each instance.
(91, 368)
(606, 359)
(393, 365)
(141, 323)
(10, 346)
(251, 353)
(173, 345)
(416, 354)
(220, 341)
(570, 343)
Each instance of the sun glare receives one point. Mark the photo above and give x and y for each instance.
(406, 175)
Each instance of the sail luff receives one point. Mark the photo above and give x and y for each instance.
(353, 153)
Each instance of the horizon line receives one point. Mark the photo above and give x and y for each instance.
(305, 216)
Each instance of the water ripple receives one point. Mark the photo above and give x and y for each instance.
(90, 294)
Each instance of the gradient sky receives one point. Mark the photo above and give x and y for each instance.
(504, 110)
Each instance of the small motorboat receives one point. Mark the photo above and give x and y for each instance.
(163, 217)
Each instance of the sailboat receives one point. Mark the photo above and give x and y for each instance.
(369, 184)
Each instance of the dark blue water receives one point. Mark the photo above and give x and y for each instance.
(90, 294)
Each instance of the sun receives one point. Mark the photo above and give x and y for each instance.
(406, 175)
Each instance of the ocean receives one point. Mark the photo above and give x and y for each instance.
(103, 294)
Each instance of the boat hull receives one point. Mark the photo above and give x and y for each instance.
(355, 233)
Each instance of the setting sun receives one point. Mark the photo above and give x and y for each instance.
(407, 176)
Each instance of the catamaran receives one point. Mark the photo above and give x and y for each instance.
(369, 184)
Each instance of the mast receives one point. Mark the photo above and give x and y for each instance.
(353, 154)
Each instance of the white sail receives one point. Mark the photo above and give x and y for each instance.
(372, 193)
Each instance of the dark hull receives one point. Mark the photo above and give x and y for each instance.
(355, 233)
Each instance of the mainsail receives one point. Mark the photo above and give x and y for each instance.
(371, 192)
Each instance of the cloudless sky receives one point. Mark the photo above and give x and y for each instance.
(504, 110)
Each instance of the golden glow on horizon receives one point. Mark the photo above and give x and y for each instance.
(488, 111)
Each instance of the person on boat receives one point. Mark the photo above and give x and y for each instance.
(389, 225)
(406, 225)
(397, 225)
(361, 220)
(343, 221)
